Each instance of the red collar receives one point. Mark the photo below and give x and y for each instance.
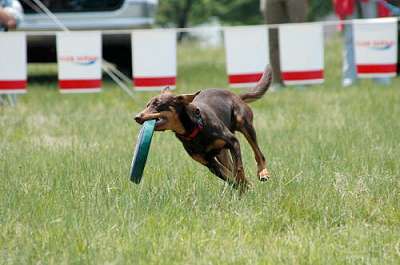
(190, 136)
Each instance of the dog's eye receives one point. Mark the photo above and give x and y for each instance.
(161, 107)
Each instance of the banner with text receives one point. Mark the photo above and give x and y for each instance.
(13, 63)
(301, 50)
(375, 42)
(247, 54)
(79, 56)
(154, 59)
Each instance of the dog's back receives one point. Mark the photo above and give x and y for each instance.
(229, 106)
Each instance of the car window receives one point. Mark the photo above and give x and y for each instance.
(58, 6)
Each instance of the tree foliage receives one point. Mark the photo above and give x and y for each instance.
(319, 9)
(183, 13)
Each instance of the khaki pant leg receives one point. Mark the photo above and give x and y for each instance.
(297, 10)
(275, 13)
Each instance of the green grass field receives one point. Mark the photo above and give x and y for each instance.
(334, 198)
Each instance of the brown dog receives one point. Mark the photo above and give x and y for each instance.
(205, 123)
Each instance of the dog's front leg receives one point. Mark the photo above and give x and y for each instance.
(214, 166)
(225, 161)
(238, 171)
(217, 169)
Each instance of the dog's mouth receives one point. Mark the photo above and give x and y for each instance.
(160, 122)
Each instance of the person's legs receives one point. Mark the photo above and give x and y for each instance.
(297, 10)
(398, 52)
(369, 10)
(297, 13)
(349, 66)
(275, 14)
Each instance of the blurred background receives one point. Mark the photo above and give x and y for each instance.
(132, 14)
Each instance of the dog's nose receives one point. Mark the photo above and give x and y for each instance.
(139, 118)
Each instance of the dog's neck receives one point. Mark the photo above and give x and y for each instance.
(192, 129)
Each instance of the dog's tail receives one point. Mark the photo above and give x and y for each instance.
(260, 89)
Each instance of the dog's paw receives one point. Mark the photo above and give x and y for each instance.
(264, 175)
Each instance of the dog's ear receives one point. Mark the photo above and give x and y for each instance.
(186, 98)
(166, 90)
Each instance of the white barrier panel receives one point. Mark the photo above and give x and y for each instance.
(301, 50)
(13, 63)
(154, 59)
(246, 54)
(375, 42)
(79, 61)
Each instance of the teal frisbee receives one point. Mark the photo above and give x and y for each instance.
(142, 150)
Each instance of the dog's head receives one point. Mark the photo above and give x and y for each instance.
(165, 109)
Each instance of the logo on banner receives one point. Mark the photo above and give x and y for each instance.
(377, 45)
(79, 60)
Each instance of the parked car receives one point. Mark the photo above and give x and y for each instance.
(87, 15)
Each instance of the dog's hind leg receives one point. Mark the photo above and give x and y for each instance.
(223, 167)
(220, 171)
(250, 133)
(225, 161)
(219, 165)
(234, 148)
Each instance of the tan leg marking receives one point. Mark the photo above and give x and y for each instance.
(199, 159)
(262, 171)
(264, 175)
(217, 144)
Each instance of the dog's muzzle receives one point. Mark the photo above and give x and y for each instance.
(139, 118)
(142, 117)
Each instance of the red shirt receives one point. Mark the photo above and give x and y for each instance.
(344, 8)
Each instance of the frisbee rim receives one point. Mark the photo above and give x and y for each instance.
(141, 152)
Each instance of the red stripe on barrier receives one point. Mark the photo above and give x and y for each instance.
(12, 84)
(376, 68)
(244, 78)
(303, 75)
(154, 81)
(79, 84)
